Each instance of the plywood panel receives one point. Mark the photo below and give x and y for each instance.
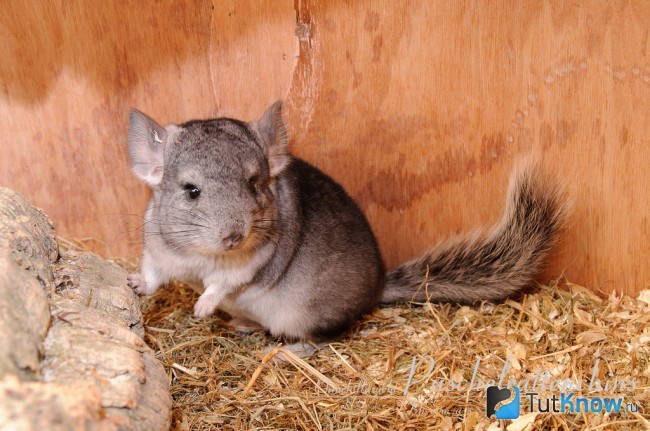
(419, 108)
(71, 71)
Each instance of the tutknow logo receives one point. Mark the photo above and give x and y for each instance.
(564, 403)
(570, 403)
(505, 411)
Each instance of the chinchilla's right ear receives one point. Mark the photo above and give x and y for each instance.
(146, 147)
(274, 138)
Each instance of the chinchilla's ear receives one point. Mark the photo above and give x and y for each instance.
(146, 147)
(274, 137)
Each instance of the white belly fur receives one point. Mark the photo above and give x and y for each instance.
(275, 312)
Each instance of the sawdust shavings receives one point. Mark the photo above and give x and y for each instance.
(561, 334)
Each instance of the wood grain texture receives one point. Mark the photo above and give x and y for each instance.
(71, 71)
(419, 108)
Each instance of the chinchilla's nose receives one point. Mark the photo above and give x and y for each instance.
(233, 239)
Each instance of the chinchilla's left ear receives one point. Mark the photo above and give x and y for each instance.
(274, 137)
(146, 147)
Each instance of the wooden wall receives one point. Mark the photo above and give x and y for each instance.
(419, 108)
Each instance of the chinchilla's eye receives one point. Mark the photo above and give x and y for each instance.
(192, 191)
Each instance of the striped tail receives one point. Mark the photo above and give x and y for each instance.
(492, 264)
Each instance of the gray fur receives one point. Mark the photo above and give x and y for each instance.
(488, 265)
(275, 241)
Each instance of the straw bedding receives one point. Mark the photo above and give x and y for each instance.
(442, 356)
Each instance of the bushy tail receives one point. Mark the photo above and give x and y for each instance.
(489, 265)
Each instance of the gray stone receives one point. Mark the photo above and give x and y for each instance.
(72, 355)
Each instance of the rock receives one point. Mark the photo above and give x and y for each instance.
(71, 349)
(27, 250)
(52, 407)
(85, 278)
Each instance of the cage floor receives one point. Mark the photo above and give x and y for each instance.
(414, 367)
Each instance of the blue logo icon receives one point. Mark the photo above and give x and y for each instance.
(505, 411)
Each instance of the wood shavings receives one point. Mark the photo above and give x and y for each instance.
(553, 336)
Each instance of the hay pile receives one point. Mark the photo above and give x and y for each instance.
(223, 380)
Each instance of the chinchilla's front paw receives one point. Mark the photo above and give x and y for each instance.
(136, 282)
(205, 305)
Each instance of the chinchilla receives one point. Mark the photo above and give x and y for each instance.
(277, 243)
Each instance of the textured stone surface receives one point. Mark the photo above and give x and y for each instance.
(95, 283)
(71, 350)
(47, 406)
(27, 250)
